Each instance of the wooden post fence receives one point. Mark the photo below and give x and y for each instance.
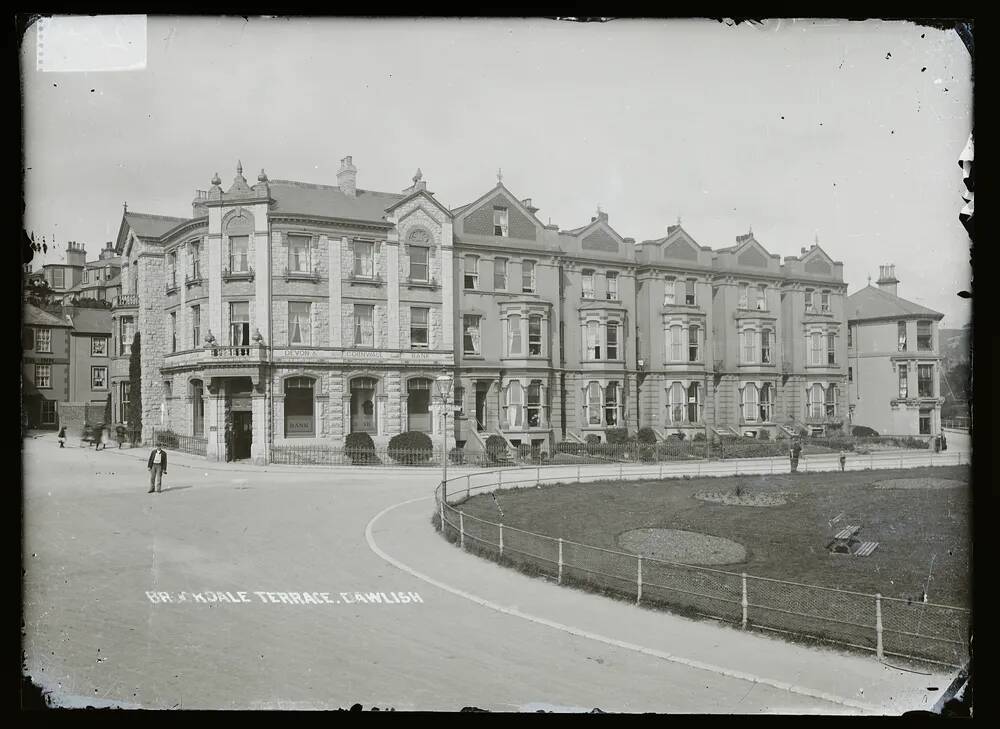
(560, 560)
(638, 582)
(878, 626)
(461, 529)
(744, 601)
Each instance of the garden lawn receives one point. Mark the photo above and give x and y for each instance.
(913, 526)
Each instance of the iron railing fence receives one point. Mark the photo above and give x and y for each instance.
(170, 440)
(294, 455)
(937, 634)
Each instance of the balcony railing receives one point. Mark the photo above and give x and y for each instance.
(231, 275)
(293, 274)
(239, 352)
(126, 301)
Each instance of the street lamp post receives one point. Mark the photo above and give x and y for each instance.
(442, 385)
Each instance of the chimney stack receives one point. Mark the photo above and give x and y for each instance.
(887, 280)
(347, 177)
(527, 203)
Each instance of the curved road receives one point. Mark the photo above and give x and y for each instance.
(470, 634)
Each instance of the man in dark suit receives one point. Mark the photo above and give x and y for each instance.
(157, 468)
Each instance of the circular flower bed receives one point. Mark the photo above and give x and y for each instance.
(919, 483)
(677, 545)
(747, 498)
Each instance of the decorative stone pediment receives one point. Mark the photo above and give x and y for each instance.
(682, 248)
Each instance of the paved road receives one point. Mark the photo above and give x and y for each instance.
(479, 635)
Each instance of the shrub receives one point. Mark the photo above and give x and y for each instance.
(411, 448)
(593, 438)
(646, 436)
(496, 449)
(698, 437)
(863, 431)
(167, 439)
(616, 435)
(457, 456)
(763, 435)
(360, 448)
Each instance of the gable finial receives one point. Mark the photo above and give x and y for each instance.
(869, 279)
(751, 229)
(678, 220)
(598, 210)
(239, 167)
(816, 238)
(499, 175)
(124, 207)
(418, 176)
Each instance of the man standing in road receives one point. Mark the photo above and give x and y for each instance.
(793, 454)
(157, 468)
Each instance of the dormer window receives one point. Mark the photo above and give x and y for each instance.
(500, 222)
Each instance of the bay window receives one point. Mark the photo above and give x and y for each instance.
(676, 403)
(694, 403)
(816, 348)
(675, 343)
(765, 346)
(903, 389)
(593, 340)
(515, 405)
(612, 404)
(831, 348)
(693, 333)
(817, 397)
(765, 402)
(535, 335)
(749, 348)
(612, 339)
(750, 402)
(831, 401)
(534, 404)
(592, 403)
(514, 335)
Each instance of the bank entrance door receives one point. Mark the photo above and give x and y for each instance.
(242, 434)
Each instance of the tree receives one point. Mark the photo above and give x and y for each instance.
(134, 414)
(38, 292)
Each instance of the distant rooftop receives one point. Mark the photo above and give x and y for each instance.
(874, 303)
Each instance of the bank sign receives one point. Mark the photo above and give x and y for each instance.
(299, 425)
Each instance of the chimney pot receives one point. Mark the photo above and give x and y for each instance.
(802, 251)
(347, 177)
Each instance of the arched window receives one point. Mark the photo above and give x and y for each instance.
(363, 405)
(593, 403)
(750, 403)
(197, 407)
(765, 402)
(675, 403)
(514, 334)
(299, 413)
(418, 404)
(694, 403)
(515, 405)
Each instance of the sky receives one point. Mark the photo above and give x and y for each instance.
(845, 132)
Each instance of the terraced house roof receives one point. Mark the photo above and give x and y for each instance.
(146, 225)
(328, 201)
(874, 303)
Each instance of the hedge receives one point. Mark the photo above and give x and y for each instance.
(411, 448)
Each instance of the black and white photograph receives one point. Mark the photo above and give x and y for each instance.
(516, 365)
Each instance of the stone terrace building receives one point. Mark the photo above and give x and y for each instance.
(288, 313)
(737, 341)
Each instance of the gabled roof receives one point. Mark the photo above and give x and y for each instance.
(330, 202)
(34, 316)
(492, 191)
(91, 321)
(874, 303)
(146, 225)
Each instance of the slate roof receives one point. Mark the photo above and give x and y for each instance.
(328, 201)
(37, 317)
(91, 321)
(146, 225)
(874, 303)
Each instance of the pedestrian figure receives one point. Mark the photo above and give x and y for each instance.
(843, 459)
(99, 437)
(157, 468)
(793, 454)
(62, 437)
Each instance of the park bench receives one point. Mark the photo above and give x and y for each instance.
(847, 538)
